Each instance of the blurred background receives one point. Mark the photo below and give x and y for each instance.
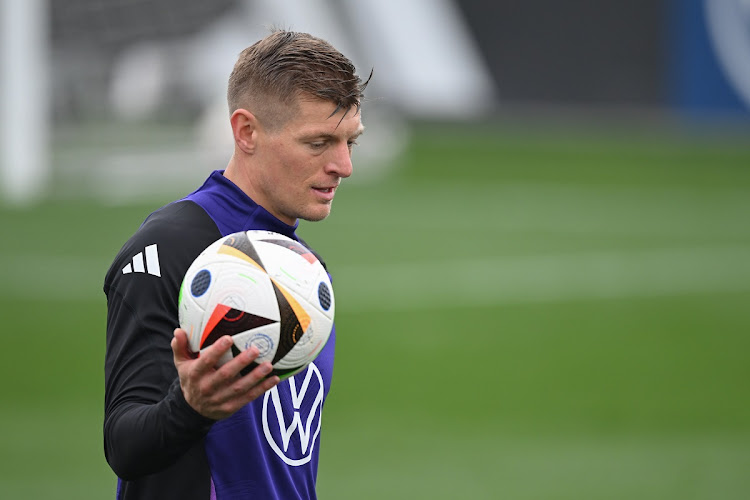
(542, 262)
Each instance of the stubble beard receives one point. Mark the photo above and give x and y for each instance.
(316, 215)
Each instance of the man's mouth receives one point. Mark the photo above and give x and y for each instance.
(325, 192)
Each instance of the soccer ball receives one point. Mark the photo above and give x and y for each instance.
(265, 290)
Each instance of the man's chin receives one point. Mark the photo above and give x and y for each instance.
(316, 215)
(314, 218)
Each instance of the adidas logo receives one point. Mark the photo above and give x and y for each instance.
(151, 264)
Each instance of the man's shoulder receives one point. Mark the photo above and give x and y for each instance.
(176, 216)
(181, 223)
(165, 244)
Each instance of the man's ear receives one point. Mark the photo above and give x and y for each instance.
(245, 130)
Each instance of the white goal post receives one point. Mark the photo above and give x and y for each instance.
(25, 118)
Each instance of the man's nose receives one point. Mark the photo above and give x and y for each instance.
(340, 163)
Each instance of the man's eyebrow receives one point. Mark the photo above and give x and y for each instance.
(325, 135)
(360, 130)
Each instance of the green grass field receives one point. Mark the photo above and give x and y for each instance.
(521, 314)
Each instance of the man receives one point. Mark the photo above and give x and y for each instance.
(176, 426)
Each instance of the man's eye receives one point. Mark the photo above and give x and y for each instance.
(352, 144)
(317, 145)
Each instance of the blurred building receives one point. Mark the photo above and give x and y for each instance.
(433, 59)
(446, 60)
(142, 57)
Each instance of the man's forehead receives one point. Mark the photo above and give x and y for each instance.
(323, 116)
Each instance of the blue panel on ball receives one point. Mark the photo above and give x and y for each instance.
(324, 296)
(200, 283)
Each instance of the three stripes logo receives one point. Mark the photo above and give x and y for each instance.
(148, 265)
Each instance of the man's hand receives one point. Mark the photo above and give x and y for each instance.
(218, 392)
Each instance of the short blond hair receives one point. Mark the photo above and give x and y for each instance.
(272, 74)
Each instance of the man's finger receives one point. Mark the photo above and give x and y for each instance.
(180, 348)
(259, 388)
(210, 356)
(255, 377)
(239, 363)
